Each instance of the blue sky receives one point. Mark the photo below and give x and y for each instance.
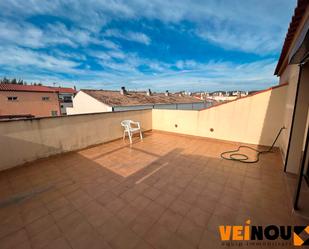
(176, 45)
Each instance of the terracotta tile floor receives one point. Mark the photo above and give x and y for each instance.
(168, 191)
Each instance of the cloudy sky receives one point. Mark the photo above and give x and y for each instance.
(158, 44)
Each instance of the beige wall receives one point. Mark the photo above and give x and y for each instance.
(29, 103)
(84, 103)
(26, 140)
(255, 119)
(298, 134)
(290, 76)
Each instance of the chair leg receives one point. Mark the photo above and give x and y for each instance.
(130, 137)
(141, 135)
(124, 135)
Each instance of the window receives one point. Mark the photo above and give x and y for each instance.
(12, 98)
(45, 98)
(54, 113)
(67, 99)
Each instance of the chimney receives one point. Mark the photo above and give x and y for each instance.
(123, 90)
(166, 93)
(149, 92)
(75, 88)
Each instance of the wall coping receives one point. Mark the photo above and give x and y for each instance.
(73, 115)
(248, 96)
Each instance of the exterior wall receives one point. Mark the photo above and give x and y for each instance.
(27, 140)
(255, 119)
(64, 104)
(298, 134)
(29, 103)
(83, 103)
(290, 76)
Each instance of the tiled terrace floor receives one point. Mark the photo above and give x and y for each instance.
(168, 191)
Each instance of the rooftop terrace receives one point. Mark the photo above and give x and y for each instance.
(70, 182)
(168, 191)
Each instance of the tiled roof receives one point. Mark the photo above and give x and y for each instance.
(63, 89)
(35, 88)
(299, 13)
(115, 98)
(25, 88)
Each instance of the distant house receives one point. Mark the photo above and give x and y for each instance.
(28, 100)
(90, 101)
(222, 96)
(65, 97)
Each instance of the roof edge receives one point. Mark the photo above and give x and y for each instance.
(299, 13)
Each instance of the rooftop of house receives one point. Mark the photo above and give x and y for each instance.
(131, 98)
(25, 88)
(35, 88)
(64, 89)
(168, 191)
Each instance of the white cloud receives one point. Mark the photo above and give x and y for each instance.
(213, 76)
(109, 44)
(27, 35)
(18, 59)
(253, 26)
(209, 76)
(128, 35)
(250, 26)
(120, 68)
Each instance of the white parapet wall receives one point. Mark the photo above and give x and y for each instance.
(27, 140)
(253, 119)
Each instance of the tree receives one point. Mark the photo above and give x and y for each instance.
(5, 81)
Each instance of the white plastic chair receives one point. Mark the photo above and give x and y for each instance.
(128, 128)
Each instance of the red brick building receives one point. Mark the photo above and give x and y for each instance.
(25, 100)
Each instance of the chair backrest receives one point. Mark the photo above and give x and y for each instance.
(126, 124)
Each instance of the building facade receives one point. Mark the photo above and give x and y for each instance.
(289, 72)
(65, 97)
(28, 100)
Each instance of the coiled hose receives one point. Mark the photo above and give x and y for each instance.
(243, 158)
